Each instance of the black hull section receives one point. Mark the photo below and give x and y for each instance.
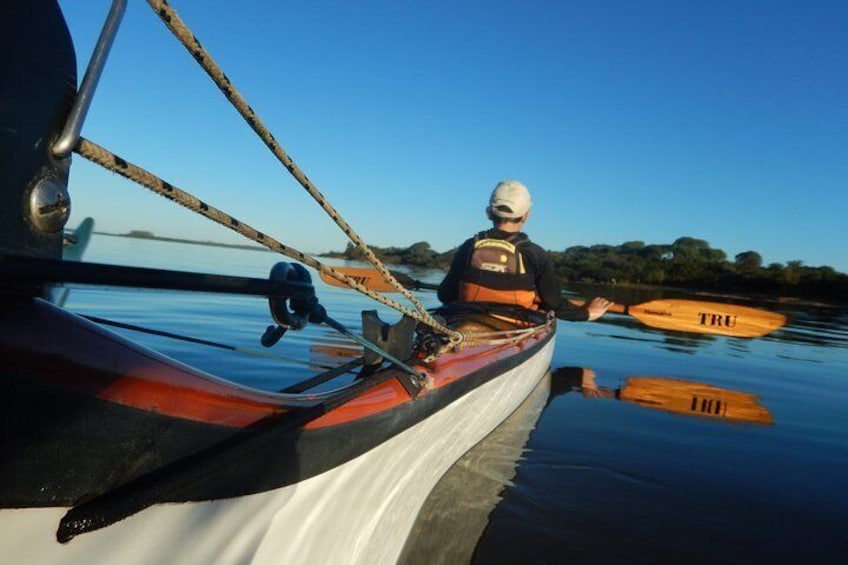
(67, 447)
(37, 91)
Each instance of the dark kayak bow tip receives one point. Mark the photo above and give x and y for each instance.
(69, 527)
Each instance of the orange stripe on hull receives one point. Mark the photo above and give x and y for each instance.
(211, 405)
(441, 372)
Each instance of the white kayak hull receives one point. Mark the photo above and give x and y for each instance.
(359, 512)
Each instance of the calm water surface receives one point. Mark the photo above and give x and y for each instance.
(578, 475)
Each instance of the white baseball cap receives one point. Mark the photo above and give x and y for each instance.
(510, 199)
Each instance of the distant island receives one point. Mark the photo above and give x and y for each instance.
(686, 263)
(142, 234)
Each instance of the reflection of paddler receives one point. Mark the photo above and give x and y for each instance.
(672, 395)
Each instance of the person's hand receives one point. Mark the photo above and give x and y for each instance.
(597, 307)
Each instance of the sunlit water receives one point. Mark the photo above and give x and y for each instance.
(599, 480)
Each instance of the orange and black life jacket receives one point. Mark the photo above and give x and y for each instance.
(496, 272)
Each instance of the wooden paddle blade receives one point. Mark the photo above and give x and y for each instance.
(695, 399)
(707, 317)
(369, 278)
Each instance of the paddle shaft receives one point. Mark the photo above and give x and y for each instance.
(701, 317)
(614, 307)
(672, 314)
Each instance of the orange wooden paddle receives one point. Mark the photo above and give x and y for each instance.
(674, 314)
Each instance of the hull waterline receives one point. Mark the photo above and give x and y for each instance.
(359, 512)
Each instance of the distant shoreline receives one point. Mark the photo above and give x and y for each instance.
(189, 241)
(587, 265)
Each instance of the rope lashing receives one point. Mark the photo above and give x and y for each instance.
(103, 157)
(128, 170)
(173, 21)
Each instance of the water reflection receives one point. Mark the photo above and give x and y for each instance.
(808, 322)
(457, 511)
(456, 514)
(701, 487)
(678, 396)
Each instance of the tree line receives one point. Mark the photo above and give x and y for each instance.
(687, 263)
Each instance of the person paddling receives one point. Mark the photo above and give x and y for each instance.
(503, 266)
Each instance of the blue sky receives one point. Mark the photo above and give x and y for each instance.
(628, 120)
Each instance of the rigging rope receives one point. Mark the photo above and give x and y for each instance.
(173, 21)
(108, 160)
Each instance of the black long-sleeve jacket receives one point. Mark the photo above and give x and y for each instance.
(536, 262)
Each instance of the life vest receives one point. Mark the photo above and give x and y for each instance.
(496, 273)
